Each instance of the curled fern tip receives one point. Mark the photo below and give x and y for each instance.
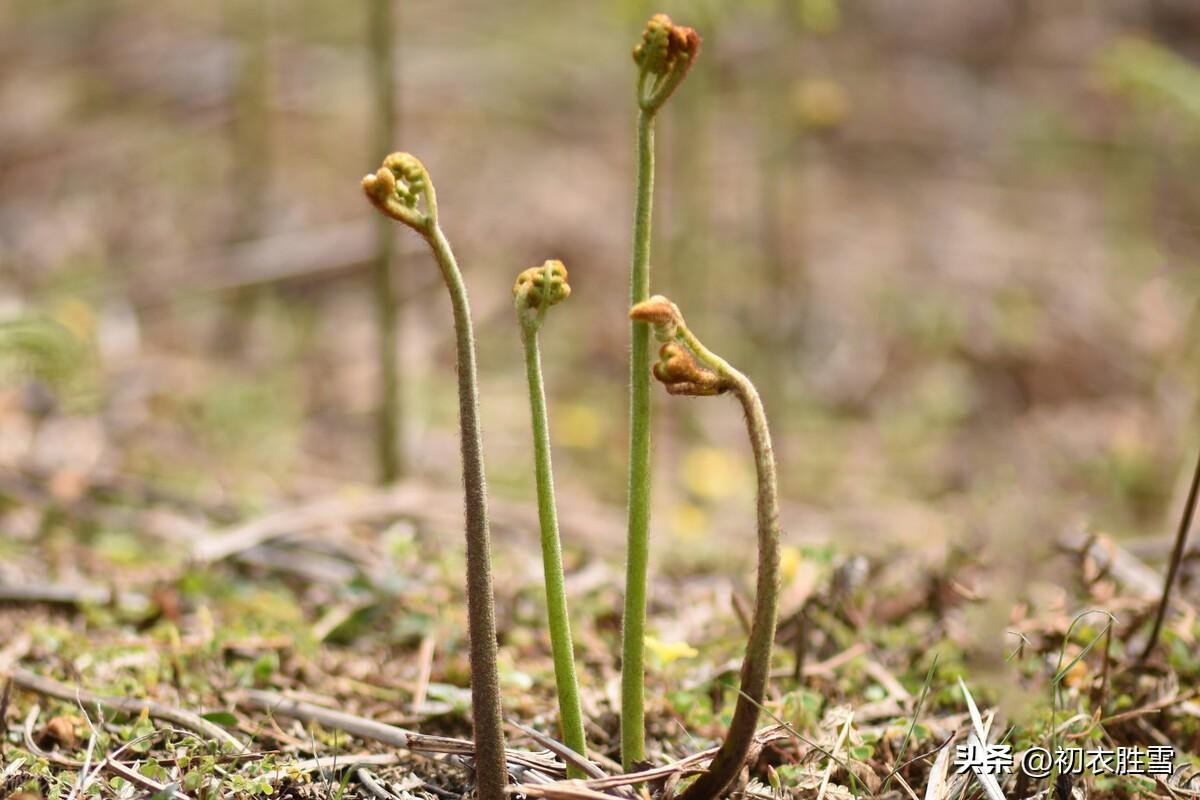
(680, 373)
(546, 284)
(663, 57)
(398, 187)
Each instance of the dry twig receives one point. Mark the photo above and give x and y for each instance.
(126, 705)
(372, 730)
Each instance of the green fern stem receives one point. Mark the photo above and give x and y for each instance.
(637, 548)
(664, 56)
(570, 713)
(535, 291)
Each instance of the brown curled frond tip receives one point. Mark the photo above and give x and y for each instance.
(398, 187)
(658, 310)
(679, 372)
(661, 313)
(666, 47)
(664, 56)
(545, 284)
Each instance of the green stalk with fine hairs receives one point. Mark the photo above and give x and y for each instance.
(402, 190)
(637, 547)
(687, 367)
(535, 291)
(664, 57)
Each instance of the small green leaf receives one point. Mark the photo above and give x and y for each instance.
(861, 752)
(223, 718)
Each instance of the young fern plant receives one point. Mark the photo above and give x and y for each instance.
(402, 189)
(687, 367)
(535, 291)
(663, 58)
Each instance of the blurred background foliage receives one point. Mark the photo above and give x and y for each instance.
(955, 243)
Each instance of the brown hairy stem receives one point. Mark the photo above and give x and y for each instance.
(756, 665)
(688, 367)
(402, 189)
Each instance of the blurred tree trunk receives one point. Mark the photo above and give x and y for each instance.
(249, 133)
(250, 128)
(380, 33)
(779, 346)
(780, 166)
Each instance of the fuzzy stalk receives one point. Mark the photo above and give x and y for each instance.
(756, 665)
(570, 712)
(687, 367)
(389, 413)
(664, 57)
(402, 189)
(491, 775)
(637, 545)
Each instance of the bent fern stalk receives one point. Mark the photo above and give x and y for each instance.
(401, 189)
(536, 290)
(663, 58)
(687, 367)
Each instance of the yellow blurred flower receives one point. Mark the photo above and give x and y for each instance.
(579, 426)
(711, 473)
(688, 521)
(669, 652)
(820, 103)
(790, 561)
(78, 317)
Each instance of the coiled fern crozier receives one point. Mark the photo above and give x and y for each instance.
(401, 188)
(687, 367)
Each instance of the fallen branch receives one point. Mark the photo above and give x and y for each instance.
(109, 764)
(592, 789)
(294, 519)
(364, 728)
(75, 596)
(1115, 560)
(373, 786)
(410, 499)
(561, 790)
(361, 727)
(125, 705)
(140, 780)
(328, 763)
(561, 750)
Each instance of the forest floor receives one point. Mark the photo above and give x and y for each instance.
(969, 292)
(319, 651)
